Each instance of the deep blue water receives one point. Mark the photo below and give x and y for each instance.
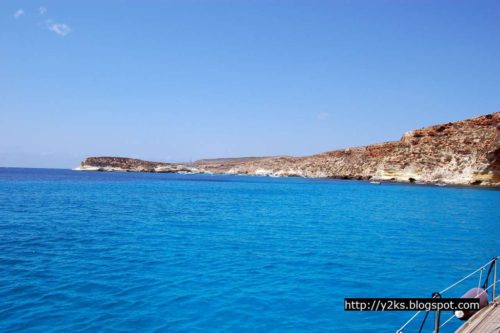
(120, 252)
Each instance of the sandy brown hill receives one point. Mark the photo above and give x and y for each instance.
(464, 153)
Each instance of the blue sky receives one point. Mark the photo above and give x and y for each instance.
(183, 80)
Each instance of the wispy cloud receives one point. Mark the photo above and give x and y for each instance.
(323, 115)
(59, 28)
(18, 13)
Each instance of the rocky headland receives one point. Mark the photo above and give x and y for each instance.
(460, 153)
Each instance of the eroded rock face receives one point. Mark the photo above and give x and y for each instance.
(130, 165)
(463, 153)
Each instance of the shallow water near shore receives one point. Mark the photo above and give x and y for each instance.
(89, 251)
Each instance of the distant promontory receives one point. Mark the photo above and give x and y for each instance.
(460, 153)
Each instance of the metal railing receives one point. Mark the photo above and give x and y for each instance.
(493, 263)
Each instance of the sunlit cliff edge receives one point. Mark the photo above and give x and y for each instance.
(460, 153)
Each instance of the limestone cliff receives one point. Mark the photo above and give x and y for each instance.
(124, 164)
(463, 153)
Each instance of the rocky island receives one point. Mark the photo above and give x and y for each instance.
(460, 153)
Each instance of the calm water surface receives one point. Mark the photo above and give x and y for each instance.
(120, 252)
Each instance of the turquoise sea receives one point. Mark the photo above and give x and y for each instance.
(128, 252)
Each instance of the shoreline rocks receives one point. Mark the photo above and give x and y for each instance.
(460, 153)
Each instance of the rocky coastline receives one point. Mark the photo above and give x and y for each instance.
(465, 152)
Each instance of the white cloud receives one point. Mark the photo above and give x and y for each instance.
(42, 10)
(323, 115)
(18, 13)
(59, 28)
